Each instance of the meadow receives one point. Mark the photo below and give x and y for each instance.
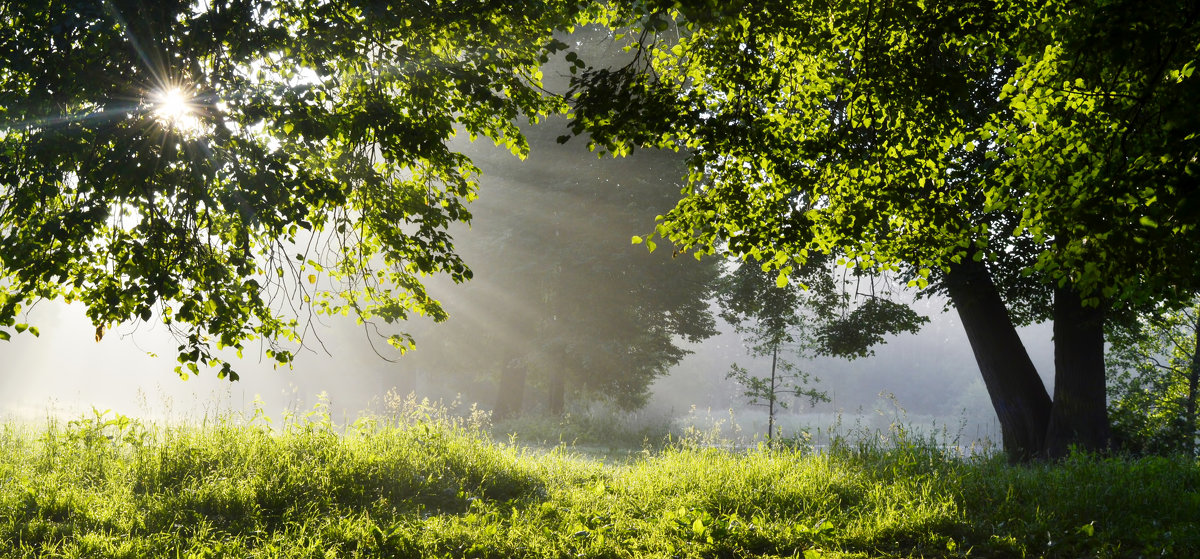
(419, 482)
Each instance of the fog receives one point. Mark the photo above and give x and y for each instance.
(562, 216)
(928, 380)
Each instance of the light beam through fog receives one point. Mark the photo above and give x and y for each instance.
(65, 373)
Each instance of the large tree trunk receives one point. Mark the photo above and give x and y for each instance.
(1080, 413)
(1017, 392)
(511, 394)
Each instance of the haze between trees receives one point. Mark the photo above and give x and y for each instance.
(1031, 160)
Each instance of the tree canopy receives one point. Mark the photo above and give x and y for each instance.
(916, 135)
(1034, 160)
(230, 166)
(220, 166)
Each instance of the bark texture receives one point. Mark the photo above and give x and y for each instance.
(1018, 395)
(1080, 414)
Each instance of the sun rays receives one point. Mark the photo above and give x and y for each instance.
(176, 108)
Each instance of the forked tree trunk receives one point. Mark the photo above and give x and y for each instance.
(511, 394)
(1080, 412)
(1017, 392)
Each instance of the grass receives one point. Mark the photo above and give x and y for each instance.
(419, 483)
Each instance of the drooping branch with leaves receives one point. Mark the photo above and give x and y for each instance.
(232, 166)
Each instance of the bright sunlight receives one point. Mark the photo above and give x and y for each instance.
(175, 108)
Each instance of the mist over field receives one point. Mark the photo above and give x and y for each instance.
(927, 380)
(447, 249)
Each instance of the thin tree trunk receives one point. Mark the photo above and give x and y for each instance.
(557, 397)
(1018, 395)
(771, 398)
(1193, 380)
(1080, 413)
(510, 397)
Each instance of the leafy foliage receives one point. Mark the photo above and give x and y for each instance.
(1153, 370)
(802, 315)
(1033, 160)
(785, 380)
(310, 172)
(913, 136)
(774, 317)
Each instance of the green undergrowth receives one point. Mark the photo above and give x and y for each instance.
(424, 484)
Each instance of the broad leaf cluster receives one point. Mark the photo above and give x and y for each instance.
(1154, 378)
(1052, 141)
(312, 172)
(1031, 160)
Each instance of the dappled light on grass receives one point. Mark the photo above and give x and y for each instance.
(415, 481)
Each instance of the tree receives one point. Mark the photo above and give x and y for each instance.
(808, 315)
(562, 305)
(1154, 374)
(216, 165)
(1031, 160)
(774, 317)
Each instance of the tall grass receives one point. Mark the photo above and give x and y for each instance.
(416, 481)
